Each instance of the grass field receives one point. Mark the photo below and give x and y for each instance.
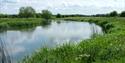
(109, 48)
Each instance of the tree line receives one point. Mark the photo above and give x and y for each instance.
(29, 12)
(111, 14)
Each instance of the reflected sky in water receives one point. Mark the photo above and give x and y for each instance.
(21, 43)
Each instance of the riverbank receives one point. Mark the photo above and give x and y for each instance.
(18, 23)
(21, 23)
(108, 48)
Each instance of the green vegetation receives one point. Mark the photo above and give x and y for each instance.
(28, 20)
(113, 14)
(17, 23)
(58, 16)
(122, 14)
(46, 14)
(109, 48)
(26, 12)
(29, 12)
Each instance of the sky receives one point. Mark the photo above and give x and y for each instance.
(86, 7)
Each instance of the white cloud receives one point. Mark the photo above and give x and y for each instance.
(65, 6)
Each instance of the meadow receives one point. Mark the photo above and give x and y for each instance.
(109, 48)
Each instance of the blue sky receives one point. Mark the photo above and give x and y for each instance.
(87, 7)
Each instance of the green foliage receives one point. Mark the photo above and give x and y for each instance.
(46, 14)
(3, 26)
(122, 14)
(17, 23)
(113, 14)
(58, 16)
(109, 48)
(96, 50)
(38, 15)
(27, 12)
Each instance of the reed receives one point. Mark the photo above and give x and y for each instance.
(4, 54)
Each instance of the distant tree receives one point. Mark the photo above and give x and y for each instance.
(38, 15)
(58, 16)
(2, 16)
(113, 14)
(22, 11)
(27, 12)
(122, 14)
(46, 14)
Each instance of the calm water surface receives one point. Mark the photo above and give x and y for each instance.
(21, 43)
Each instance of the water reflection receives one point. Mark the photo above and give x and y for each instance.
(21, 43)
(46, 23)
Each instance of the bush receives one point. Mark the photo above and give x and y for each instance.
(122, 14)
(58, 16)
(113, 14)
(4, 26)
(46, 14)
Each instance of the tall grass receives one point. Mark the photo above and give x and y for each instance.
(21, 23)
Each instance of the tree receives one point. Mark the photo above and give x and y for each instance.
(46, 14)
(27, 12)
(38, 15)
(113, 14)
(122, 14)
(58, 16)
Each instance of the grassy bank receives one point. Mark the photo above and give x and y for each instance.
(20, 23)
(109, 48)
(109, 24)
